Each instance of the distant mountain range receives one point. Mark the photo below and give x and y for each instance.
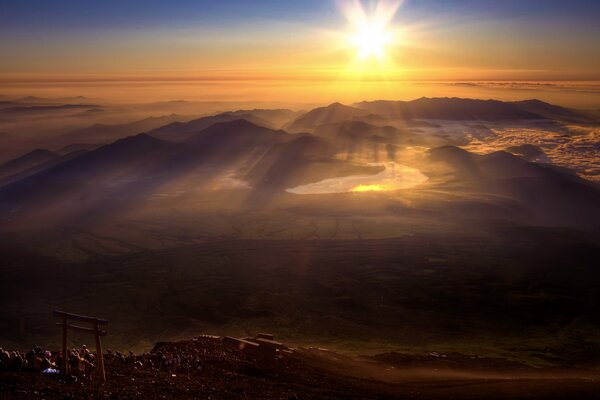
(180, 131)
(136, 165)
(246, 146)
(416, 112)
(32, 163)
(46, 108)
(26, 161)
(469, 109)
(103, 133)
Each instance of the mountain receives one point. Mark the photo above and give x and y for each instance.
(465, 165)
(450, 109)
(8, 103)
(229, 145)
(120, 169)
(70, 148)
(180, 131)
(332, 113)
(238, 132)
(348, 131)
(102, 133)
(34, 99)
(26, 161)
(553, 112)
(454, 109)
(285, 159)
(302, 160)
(46, 108)
(233, 137)
(38, 167)
(457, 163)
(276, 118)
(130, 169)
(549, 195)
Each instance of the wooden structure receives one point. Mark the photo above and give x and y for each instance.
(94, 328)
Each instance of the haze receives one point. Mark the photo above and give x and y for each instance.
(301, 200)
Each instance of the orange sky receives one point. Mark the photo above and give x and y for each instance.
(295, 52)
(456, 40)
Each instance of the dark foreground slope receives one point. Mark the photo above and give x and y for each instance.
(213, 370)
(524, 294)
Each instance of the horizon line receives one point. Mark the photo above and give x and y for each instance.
(284, 79)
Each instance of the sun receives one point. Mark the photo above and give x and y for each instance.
(371, 40)
(370, 32)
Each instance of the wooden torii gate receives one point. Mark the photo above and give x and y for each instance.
(94, 329)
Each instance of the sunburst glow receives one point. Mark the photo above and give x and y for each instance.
(370, 32)
(371, 41)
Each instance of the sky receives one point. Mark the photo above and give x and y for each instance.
(429, 40)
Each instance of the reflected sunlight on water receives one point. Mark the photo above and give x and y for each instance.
(394, 177)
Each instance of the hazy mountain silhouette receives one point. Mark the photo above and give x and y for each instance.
(455, 109)
(131, 168)
(38, 167)
(31, 99)
(4, 104)
(235, 133)
(552, 195)
(270, 161)
(102, 133)
(26, 161)
(70, 148)
(46, 108)
(303, 159)
(281, 164)
(275, 118)
(553, 112)
(126, 164)
(224, 142)
(462, 109)
(359, 130)
(36, 99)
(180, 131)
(497, 165)
(332, 113)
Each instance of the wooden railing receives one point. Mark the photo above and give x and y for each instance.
(93, 328)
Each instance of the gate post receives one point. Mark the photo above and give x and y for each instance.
(100, 361)
(65, 356)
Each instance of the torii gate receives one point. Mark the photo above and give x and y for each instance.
(96, 323)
